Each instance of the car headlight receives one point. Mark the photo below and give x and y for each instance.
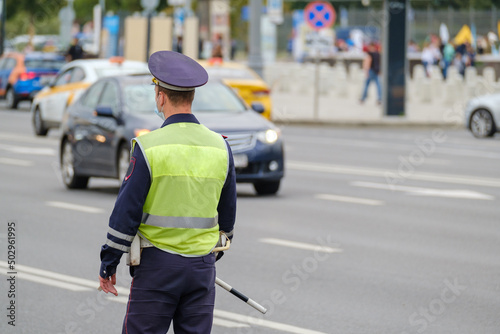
(269, 136)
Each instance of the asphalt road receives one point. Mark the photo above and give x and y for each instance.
(375, 230)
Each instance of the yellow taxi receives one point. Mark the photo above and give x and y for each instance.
(51, 102)
(248, 84)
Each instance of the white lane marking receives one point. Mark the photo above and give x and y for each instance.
(76, 207)
(16, 162)
(229, 324)
(356, 200)
(264, 323)
(334, 169)
(300, 245)
(8, 137)
(467, 153)
(80, 284)
(437, 162)
(417, 191)
(22, 273)
(217, 321)
(57, 280)
(394, 146)
(393, 174)
(60, 277)
(29, 150)
(51, 282)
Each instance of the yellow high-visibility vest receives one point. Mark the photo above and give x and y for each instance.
(188, 164)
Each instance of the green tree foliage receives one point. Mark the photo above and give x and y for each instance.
(31, 16)
(417, 4)
(84, 8)
(456, 4)
(41, 15)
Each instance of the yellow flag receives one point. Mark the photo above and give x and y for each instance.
(464, 35)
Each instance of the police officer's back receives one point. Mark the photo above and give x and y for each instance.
(179, 192)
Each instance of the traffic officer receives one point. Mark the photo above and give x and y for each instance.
(179, 192)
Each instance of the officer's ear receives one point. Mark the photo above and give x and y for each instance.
(157, 95)
(163, 96)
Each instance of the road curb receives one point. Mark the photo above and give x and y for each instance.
(381, 123)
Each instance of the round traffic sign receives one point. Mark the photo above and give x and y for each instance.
(319, 15)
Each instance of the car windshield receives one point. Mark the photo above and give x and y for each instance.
(51, 64)
(230, 73)
(139, 98)
(216, 97)
(213, 97)
(119, 70)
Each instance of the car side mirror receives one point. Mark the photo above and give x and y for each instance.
(104, 111)
(258, 107)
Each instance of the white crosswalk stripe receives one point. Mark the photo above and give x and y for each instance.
(75, 207)
(300, 245)
(393, 174)
(418, 191)
(29, 150)
(346, 199)
(16, 162)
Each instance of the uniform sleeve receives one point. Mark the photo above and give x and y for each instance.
(127, 213)
(227, 202)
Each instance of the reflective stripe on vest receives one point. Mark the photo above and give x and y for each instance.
(188, 165)
(179, 222)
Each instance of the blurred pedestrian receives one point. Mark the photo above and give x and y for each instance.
(430, 56)
(448, 56)
(459, 63)
(217, 47)
(75, 51)
(413, 47)
(234, 48)
(371, 66)
(470, 55)
(178, 44)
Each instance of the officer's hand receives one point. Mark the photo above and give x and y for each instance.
(107, 284)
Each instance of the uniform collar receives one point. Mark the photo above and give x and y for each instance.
(180, 118)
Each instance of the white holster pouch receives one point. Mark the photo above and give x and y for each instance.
(134, 256)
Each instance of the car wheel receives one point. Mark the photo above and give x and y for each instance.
(267, 188)
(10, 97)
(123, 162)
(482, 124)
(38, 125)
(70, 179)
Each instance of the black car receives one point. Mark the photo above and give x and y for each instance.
(98, 127)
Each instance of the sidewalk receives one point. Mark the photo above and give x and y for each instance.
(429, 101)
(294, 108)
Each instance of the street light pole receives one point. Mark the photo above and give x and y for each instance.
(394, 66)
(255, 55)
(2, 28)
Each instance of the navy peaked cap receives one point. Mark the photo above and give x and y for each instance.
(176, 71)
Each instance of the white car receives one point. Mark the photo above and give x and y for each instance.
(482, 115)
(50, 103)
